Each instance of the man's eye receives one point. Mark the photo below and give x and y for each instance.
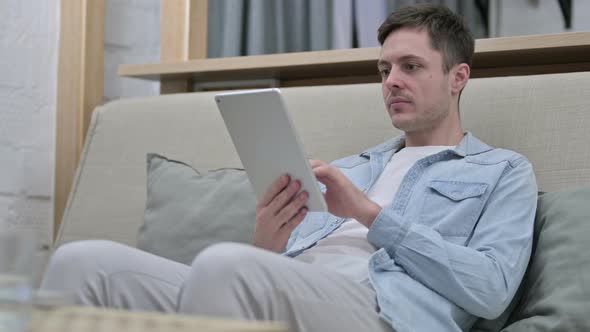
(384, 72)
(411, 66)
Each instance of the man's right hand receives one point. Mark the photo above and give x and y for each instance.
(279, 211)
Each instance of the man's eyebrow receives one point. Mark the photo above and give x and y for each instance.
(411, 57)
(384, 63)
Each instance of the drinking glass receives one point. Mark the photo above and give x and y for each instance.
(17, 257)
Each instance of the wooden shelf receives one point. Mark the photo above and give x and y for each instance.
(522, 55)
(284, 66)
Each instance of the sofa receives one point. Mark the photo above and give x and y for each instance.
(544, 117)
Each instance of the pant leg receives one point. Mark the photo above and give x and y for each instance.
(109, 274)
(239, 281)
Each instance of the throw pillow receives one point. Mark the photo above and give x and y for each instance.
(556, 287)
(187, 211)
(495, 325)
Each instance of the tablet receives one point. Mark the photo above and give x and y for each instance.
(267, 144)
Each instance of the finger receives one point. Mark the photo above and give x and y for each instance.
(293, 207)
(284, 197)
(296, 220)
(316, 163)
(325, 173)
(274, 189)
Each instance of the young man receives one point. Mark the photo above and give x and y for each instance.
(426, 232)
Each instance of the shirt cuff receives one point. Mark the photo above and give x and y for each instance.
(388, 231)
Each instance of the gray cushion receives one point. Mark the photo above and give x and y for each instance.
(187, 211)
(495, 325)
(556, 287)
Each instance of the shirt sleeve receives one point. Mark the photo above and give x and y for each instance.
(483, 276)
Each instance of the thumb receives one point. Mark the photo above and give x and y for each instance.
(328, 175)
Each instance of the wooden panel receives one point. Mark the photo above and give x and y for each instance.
(519, 70)
(531, 42)
(331, 81)
(79, 89)
(93, 62)
(547, 53)
(183, 36)
(168, 86)
(320, 62)
(173, 33)
(197, 37)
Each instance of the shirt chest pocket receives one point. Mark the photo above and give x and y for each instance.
(452, 207)
(357, 170)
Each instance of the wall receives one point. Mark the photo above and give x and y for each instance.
(28, 63)
(132, 35)
(29, 39)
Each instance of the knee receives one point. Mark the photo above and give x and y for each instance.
(224, 272)
(81, 253)
(225, 265)
(223, 258)
(77, 259)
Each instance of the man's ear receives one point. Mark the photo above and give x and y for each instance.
(459, 77)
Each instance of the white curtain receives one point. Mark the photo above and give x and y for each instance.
(250, 27)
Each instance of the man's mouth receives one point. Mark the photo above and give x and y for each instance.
(397, 101)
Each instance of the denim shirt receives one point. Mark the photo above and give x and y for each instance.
(456, 240)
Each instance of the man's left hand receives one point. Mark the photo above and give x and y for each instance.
(344, 199)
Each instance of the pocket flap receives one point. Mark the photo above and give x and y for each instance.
(458, 191)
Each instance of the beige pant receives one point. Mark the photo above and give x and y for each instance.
(226, 280)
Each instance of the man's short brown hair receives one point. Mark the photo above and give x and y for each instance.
(448, 32)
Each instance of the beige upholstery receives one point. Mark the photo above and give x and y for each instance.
(544, 117)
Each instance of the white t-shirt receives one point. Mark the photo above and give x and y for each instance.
(347, 250)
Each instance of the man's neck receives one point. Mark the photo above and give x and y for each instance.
(447, 137)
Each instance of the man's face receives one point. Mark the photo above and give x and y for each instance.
(416, 91)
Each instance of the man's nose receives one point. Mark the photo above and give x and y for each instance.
(394, 80)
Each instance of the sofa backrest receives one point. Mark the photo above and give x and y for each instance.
(544, 117)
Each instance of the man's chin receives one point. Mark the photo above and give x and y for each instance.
(403, 125)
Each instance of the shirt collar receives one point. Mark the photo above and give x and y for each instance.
(468, 146)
